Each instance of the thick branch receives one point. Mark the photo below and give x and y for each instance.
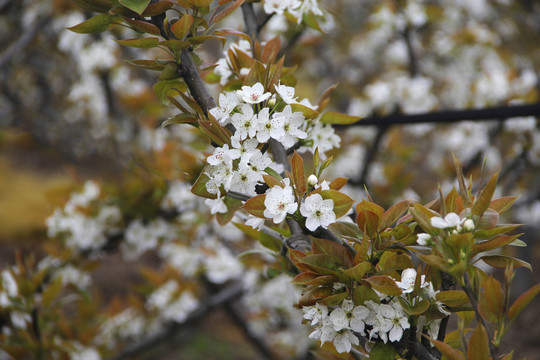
(194, 82)
(250, 19)
(451, 116)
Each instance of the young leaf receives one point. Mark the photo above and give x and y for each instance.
(199, 187)
(478, 348)
(94, 25)
(522, 301)
(227, 11)
(339, 118)
(500, 205)
(418, 308)
(342, 202)
(144, 43)
(384, 284)
(334, 300)
(255, 206)
(481, 204)
(382, 351)
(143, 26)
(391, 215)
(298, 177)
(452, 298)
(323, 246)
(136, 5)
(495, 243)
(232, 205)
(446, 350)
(490, 303)
(181, 28)
(501, 261)
(357, 273)
(157, 8)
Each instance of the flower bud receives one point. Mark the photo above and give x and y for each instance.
(468, 225)
(423, 239)
(272, 102)
(312, 180)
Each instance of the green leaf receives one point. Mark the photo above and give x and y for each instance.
(199, 187)
(309, 113)
(357, 273)
(334, 300)
(227, 10)
(342, 202)
(384, 284)
(51, 292)
(481, 203)
(142, 26)
(338, 118)
(382, 351)
(323, 246)
(501, 261)
(312, 296)
(310, 20)
(144, 43)
(100, 6)
(157, 8)
(446, 350)
(478, 348)
(94, 25)
(226, 31)
(391, 215)
(136, 5)
(255, 206)
(423, 216)
(452, 298)
(323, 263)
(181, 28)
(502, 204)
(418, 308)
(490, 302)
(497, 230)
(183, 118)
(364, 293)
(495, 243)
(270, 242)
(232, 205)
(522, 301)
(166, 88)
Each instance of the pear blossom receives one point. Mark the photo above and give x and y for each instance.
(223, 155)
(274, 6)
(254, 94)
(312, 180)
(423, 239)
(348, 316)
(315, 313)
(279, 202)
(227, 102)
(286, 93)
(259, 162)
(318, 212)
(247, 148)
(217, 206)
(245, 179)
(291, 126)
(269, 127)
(451, 220)
(245, 122)
(255, 222)
(408, 279)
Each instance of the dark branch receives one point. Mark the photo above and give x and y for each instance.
(23, 41)
(451, 116)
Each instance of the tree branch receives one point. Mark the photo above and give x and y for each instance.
(23, 41)
(451, 116)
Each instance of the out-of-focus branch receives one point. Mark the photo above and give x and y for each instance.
(370, 157)
(220, 298)
(23, 41)
(250, 20)
(452, 116)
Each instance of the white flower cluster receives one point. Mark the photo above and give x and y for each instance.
(296, 8)
(241, 167)
(385, 320)
(80, 231)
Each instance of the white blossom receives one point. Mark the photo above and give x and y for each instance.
(217, 206)
(318, 212)
(279, 202)
(423, 239)
(269, 127)
(223, 155)
(245, 122)
(451, 220)
(286, 93)
(254, 94)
